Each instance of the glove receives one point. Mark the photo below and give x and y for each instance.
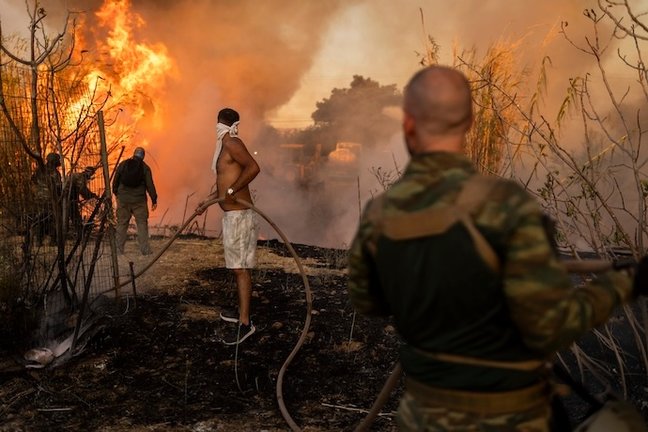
(640, 286)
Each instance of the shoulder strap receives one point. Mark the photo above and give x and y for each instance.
(437, 220)
(476, 189)
(472, 196)
(375, 216)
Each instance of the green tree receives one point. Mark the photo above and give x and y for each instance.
(355, 114)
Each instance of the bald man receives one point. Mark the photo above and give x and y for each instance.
(463, 263)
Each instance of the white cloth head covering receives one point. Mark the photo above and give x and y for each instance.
(221, 130)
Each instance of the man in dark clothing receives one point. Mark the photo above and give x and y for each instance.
(133, 180)
(464, 265)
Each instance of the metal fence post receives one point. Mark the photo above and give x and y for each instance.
(108, 201)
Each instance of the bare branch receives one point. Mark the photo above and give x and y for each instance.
(618, 21)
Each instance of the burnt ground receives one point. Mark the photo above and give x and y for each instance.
(161, 365)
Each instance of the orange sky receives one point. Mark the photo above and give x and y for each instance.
(375, 38)
(274, 59)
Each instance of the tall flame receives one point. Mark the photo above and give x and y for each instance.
(138, 70)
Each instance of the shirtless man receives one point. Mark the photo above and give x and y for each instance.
(235, 168)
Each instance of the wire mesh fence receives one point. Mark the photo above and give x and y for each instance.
(56, 217)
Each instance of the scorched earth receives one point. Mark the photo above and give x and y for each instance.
(157, 363)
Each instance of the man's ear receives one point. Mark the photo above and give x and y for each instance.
(409, 131)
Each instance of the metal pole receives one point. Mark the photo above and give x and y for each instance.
(132, 274)
(108, 201)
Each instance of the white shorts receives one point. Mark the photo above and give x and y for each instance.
(240, 233)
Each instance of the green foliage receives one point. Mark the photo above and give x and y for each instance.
(356, 114)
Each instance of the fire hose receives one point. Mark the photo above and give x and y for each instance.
(572, 266)
(309, 295)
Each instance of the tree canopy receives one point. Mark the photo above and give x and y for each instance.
(354, 114)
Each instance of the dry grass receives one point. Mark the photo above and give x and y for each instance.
(186, 256)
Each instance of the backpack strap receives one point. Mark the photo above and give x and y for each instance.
(472, 196)
(433, 221)
(423, 223)
(437, 220)
(476, 189)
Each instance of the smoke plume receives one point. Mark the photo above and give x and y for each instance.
(252, 56)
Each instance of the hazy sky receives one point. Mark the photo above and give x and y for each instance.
(378, 38)
(359, 41)
(274, 59)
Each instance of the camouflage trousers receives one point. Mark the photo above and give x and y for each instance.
(415, 416)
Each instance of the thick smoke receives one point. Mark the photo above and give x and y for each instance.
(246, 55)
(252, 55)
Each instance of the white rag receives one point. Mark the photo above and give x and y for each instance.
(221, 130)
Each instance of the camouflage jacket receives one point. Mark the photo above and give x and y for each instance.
(44, 180)
(444, 298)
(134, 195)
(79, 187)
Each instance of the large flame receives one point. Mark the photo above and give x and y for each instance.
(131, 73)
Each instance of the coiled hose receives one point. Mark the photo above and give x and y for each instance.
(307, 289)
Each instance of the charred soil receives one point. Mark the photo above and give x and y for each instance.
(161, 366)
(158, 363)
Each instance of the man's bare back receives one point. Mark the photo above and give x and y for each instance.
(235, 169)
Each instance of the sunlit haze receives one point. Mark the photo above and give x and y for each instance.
(273, 61)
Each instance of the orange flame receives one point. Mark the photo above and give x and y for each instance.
(133, 73)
